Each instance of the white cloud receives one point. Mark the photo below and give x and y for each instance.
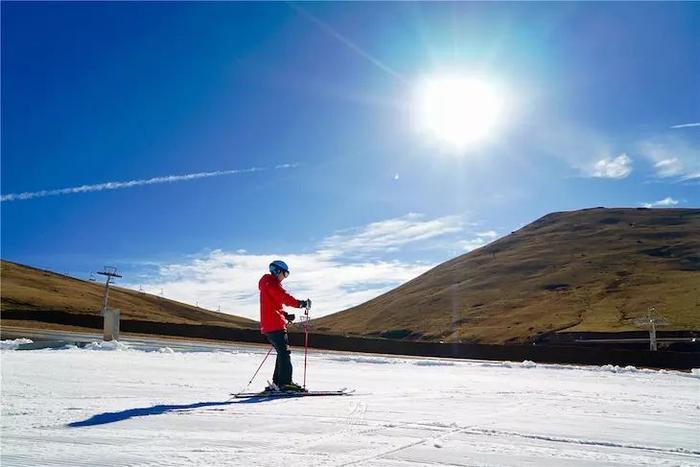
(472, 244)
(391, 233)
(669, 167)
(491, 234)
(230, 280)
(589, 152)
(672, 156)
(619, 167)
(346, 269)
(668, 201)
(477, 240)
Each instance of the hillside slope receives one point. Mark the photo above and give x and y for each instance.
(590, 270)
(28, 289)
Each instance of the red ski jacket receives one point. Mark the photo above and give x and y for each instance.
(272, 297)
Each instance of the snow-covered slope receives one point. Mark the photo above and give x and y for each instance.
(135, 407)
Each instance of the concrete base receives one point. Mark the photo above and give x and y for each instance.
(111, 325)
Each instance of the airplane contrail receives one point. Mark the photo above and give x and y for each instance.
(686, 125)
(133, 183)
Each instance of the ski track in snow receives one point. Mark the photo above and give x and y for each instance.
(116, 406)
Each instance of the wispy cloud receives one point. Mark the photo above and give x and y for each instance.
(490, 234)
(618, 167)
(686, 125)
(346, 268)
(478, 240)
(134, 183)
(672, 156)
(391, 234)
(590, 152)
(668, 201)
(668, 167)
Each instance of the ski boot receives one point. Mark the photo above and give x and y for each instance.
(292, 387)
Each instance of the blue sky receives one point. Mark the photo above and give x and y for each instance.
(301, 121)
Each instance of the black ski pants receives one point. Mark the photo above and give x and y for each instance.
(283, 365)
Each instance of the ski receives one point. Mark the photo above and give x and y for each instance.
(291, 394)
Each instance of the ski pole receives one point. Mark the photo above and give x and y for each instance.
(306, 340)
(256, 371)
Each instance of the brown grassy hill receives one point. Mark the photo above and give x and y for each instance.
(25, 288)
(591, 270)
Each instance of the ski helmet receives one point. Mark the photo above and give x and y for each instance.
(278, 266)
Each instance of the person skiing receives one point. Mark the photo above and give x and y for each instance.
(273, 323)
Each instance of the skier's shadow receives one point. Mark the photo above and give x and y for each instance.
(112, 417)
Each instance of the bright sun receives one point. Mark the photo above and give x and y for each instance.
(458, 111)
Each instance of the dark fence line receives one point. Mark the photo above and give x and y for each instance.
(563, 337)
(679, 341)
(535, 353)
(95, 321)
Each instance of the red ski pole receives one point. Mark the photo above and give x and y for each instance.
(306, 340)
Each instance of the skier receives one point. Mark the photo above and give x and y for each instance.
(273, 323)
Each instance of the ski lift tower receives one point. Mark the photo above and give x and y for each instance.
(650, 321)
(111, 316)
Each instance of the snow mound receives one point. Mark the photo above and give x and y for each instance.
(618, 369)
(13, 344)
(389, 361)
(523, 364)
(695, 372)
(354, 359)
(111, 345)
(432, 363)
(166, 350)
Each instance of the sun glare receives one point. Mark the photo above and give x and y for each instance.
(458, 111)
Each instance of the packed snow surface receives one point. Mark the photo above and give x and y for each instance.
(112, 404)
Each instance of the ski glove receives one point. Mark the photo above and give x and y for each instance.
(289, 316)
(305, 303)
